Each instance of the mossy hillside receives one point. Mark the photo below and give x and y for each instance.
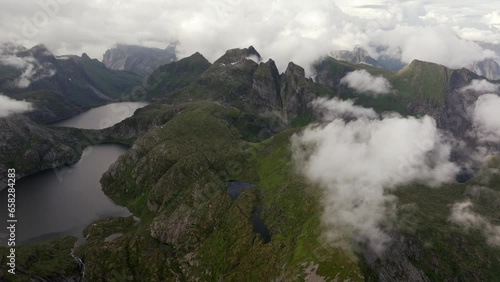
(174, 76)
(192, 189)
(192, 131)
(221, 82)
(448, 250)
(423, 80)
(134, 256)
(50, 260)
(144, 119)
(417, 82)
(290, 211)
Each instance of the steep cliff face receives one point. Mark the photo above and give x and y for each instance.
(240, 79)
(138, 59)
(488, 68)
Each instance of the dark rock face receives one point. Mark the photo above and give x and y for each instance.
(240, 79)
(267, 84)
(296, 92)
(138, 59)
(395, 263)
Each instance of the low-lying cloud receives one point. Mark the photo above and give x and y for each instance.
(462, 215)
(363, 82)
(336, 108)
(481, 86)
(31, 69)
(486, 118)
(358, 163)
(10, 106)
(282, 30)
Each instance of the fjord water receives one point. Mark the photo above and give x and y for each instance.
(103, 117)
(64, 201)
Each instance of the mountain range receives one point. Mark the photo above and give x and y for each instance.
(488, 67)
(138, 59)
(61, 87)
(232, 120)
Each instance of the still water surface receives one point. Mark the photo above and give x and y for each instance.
(103, 117)
(64, 201)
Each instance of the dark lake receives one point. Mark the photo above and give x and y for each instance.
(61, 202)
(64, 201)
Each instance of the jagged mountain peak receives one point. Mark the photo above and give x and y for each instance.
(85, 56)
(238, 54)
(295, 70)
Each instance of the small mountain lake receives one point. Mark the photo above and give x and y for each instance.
(63, 201)
(234, 189)
(104, 116)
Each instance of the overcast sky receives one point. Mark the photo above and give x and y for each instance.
(282, 29)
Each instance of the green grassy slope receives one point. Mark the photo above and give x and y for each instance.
(174, 76)
(193, 155)
(450, 251)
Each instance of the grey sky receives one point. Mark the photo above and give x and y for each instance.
(285, 30)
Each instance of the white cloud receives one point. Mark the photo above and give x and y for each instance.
(492, 19)
(364, 82)
(482, 35)
(284, 30)
(10, 106)
(433, 44)
(481, 86)
(462, 214)
(486, 118)
(336, 108)
(31, 69)
(358, 163)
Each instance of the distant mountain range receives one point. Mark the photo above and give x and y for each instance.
(233, 119)
(61, 87)
(488, 67)
(138, 59)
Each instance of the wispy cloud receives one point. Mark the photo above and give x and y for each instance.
(481, 86)
(363, 82)
(335, 108)
(463, 215)
(486, 118)
(10, 106)
(31, 69)
(357, 163)
(283, 30)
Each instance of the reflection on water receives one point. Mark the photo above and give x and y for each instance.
(103, 117)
